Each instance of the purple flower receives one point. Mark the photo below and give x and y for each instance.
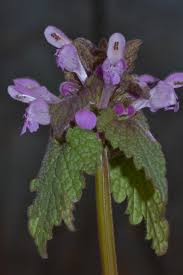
(119, 109)
(85, 119)
(114, 65)
(163, 95)
(69, 88)
(37, 113)
(67, 57)
(175, 80)
(27, 90)
(38, 97)
(112, 73)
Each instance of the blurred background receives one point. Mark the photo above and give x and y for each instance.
(24, 52)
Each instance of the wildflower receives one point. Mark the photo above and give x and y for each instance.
(38, 97)
(85, 119)
(67, 57)
(163, 95)
(114, 65)
(36, 113)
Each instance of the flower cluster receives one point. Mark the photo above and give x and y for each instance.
(124, 92)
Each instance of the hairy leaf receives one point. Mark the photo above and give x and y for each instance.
(60, 182)
(131, 52)
(133, 138)
(144, 201)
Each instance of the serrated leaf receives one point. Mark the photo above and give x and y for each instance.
(60, 182)
(133, 138)
(144, 201)
(131, 53)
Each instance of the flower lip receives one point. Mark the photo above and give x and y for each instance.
(36, 113)
(112, 73)
(56, 37)
(116, 47)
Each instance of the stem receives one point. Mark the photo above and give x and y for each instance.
(105, 218)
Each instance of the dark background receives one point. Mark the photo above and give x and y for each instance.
(24, 52)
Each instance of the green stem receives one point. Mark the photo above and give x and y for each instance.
(105, 218)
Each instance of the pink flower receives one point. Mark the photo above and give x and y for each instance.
(38, 97)
(163, 95)
(114, 65)
(67, 57)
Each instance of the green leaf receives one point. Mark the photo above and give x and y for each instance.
(133, 138)
(60, 182)
(144, 201)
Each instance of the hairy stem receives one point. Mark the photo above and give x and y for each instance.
(105, 218)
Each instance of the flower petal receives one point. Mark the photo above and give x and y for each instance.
(147, 78)
(32, 126)
(175, 80)
(38, 111)
(68, 59)
(15, 94)
(112, 73)
(163, 96)
(68, 88)
(116, 47)
(85, 119)
(26, 82)
(27, 90)
(43, 93)
(56, 37)
(119, 109)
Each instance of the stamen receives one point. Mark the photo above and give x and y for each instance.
(56, 36)
(116, 46)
